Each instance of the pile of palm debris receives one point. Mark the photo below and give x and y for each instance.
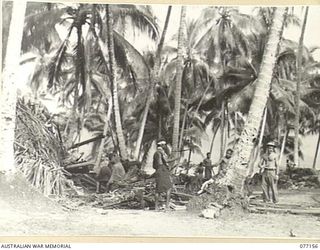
(55, 171)
(38, 149)
(135, 191)
(297, 178)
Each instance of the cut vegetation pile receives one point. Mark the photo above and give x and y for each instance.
(38, 149)
(298, 178)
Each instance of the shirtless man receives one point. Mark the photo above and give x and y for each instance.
(270, 171)
(222, 164)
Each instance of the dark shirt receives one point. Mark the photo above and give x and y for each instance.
(207, 168)
(105, 172)
(162, 174)
(159, 160)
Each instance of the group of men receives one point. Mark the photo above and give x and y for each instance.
(269, 170)
(209, 174)
(111, 171)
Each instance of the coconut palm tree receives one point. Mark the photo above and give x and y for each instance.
(197, 78)
(154, 78)
(227, 34)
(114, 86)
(42, 38)
(297, 96)
(177, 103)
(8, 86)
(238, 164)
(89, 55)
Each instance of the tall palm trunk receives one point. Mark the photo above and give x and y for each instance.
(154, 78)
(8, 93)
(316, 153)
(183, 126)
(159, 126)
(105, 130)
(222, 129)
(177, 100)
(193, 115)
(297, 95)
(257, 150)
(238, 166)
(113, 80)
(283, 145)
(214, 136)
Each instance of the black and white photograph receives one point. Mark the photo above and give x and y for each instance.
(159, 120)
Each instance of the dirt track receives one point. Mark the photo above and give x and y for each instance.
(26, 212)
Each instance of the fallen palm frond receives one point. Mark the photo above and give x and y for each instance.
(39, 151)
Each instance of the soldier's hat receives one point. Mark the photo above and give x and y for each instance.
(271, 144)
(161, 141)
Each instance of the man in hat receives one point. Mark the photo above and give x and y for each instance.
(270, 172)
(162, 174)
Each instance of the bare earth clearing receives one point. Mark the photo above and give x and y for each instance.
(25, 212)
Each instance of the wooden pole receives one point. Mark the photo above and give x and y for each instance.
(283, 144)
(86, 141)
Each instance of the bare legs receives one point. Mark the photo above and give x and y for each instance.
(168, 198)
(157, 196)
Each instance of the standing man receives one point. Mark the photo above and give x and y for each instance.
(270, 173)
(207, 164)
(118, 172)
(162, 174)
(104, 174)
(222, 164)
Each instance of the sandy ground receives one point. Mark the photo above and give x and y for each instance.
(24, 212)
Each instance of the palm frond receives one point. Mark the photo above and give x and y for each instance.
(42, 36)
(135, 60)
(140, 17)
(54, 67)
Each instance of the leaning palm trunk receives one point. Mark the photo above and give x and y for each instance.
(144, 120)
(297, 95)
(113, 78)
(177, 100)
(8, 93)
(316, 153)
(214, 136)
(222, 129)
(154, 79)
(257, 150)
(238, 166)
